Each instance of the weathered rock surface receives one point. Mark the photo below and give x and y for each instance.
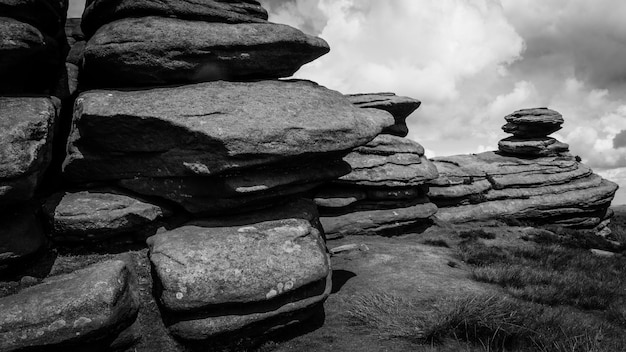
(382, 193)
(209, 128)
(156, 51)
(26, 130)
(95, 215)
(376, 218)
(398, 106)
(541, 189)
(539, 146)
(28, 58)
(249, 189)
(87, 308)
(533, 123)
(21, 234)
(218, 277)
(100, 12)
(389, 161)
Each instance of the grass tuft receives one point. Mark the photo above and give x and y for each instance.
(497, 323)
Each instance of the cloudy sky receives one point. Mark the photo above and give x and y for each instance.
(471, 62)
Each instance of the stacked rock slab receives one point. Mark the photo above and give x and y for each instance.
(186, 116)
(399, 107)
(385, 191)
(244, 275)
(532, 177)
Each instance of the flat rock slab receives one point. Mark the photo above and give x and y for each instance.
(47, 16)
(398, 106)
(240, 192)
(216, 279)
(376, 218)
(209, 128)
(26, 131)
(532, 123)
(507, 171)
(100, 12)
(95, 215)
(155, 51)
(569, 203)
(89, 307)
(389, 161)
(21, 234)
(540, 146)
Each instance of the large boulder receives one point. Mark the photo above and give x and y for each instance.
(156, 51)
(26, 130)
(211, 128)
(398, 106)
(100, 12)
(87, 309)
(100, 214)
(247, 274)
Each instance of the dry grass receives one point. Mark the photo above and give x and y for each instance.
(491, 323)
(550, 274)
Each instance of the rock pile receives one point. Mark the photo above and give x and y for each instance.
(181, 116)
(532, 177)
(385, 192)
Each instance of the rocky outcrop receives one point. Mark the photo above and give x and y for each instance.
(527, 179)
(228, 275)
(399, 107)
(90, 308)
(252, 141)
(383, 194)
(200, 128)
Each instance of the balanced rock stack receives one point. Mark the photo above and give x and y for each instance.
(533, 178)
(186, 117)
(385, 192)
(530, 129)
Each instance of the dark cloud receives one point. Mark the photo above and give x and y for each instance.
(583, 39)
(620, 140)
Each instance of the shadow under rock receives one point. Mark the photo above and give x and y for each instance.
(340, 277)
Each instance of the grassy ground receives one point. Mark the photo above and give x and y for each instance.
(556, 295)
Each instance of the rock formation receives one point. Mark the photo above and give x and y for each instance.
(385, 191)
(182, 140)
(166, 130)
(532, 177)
